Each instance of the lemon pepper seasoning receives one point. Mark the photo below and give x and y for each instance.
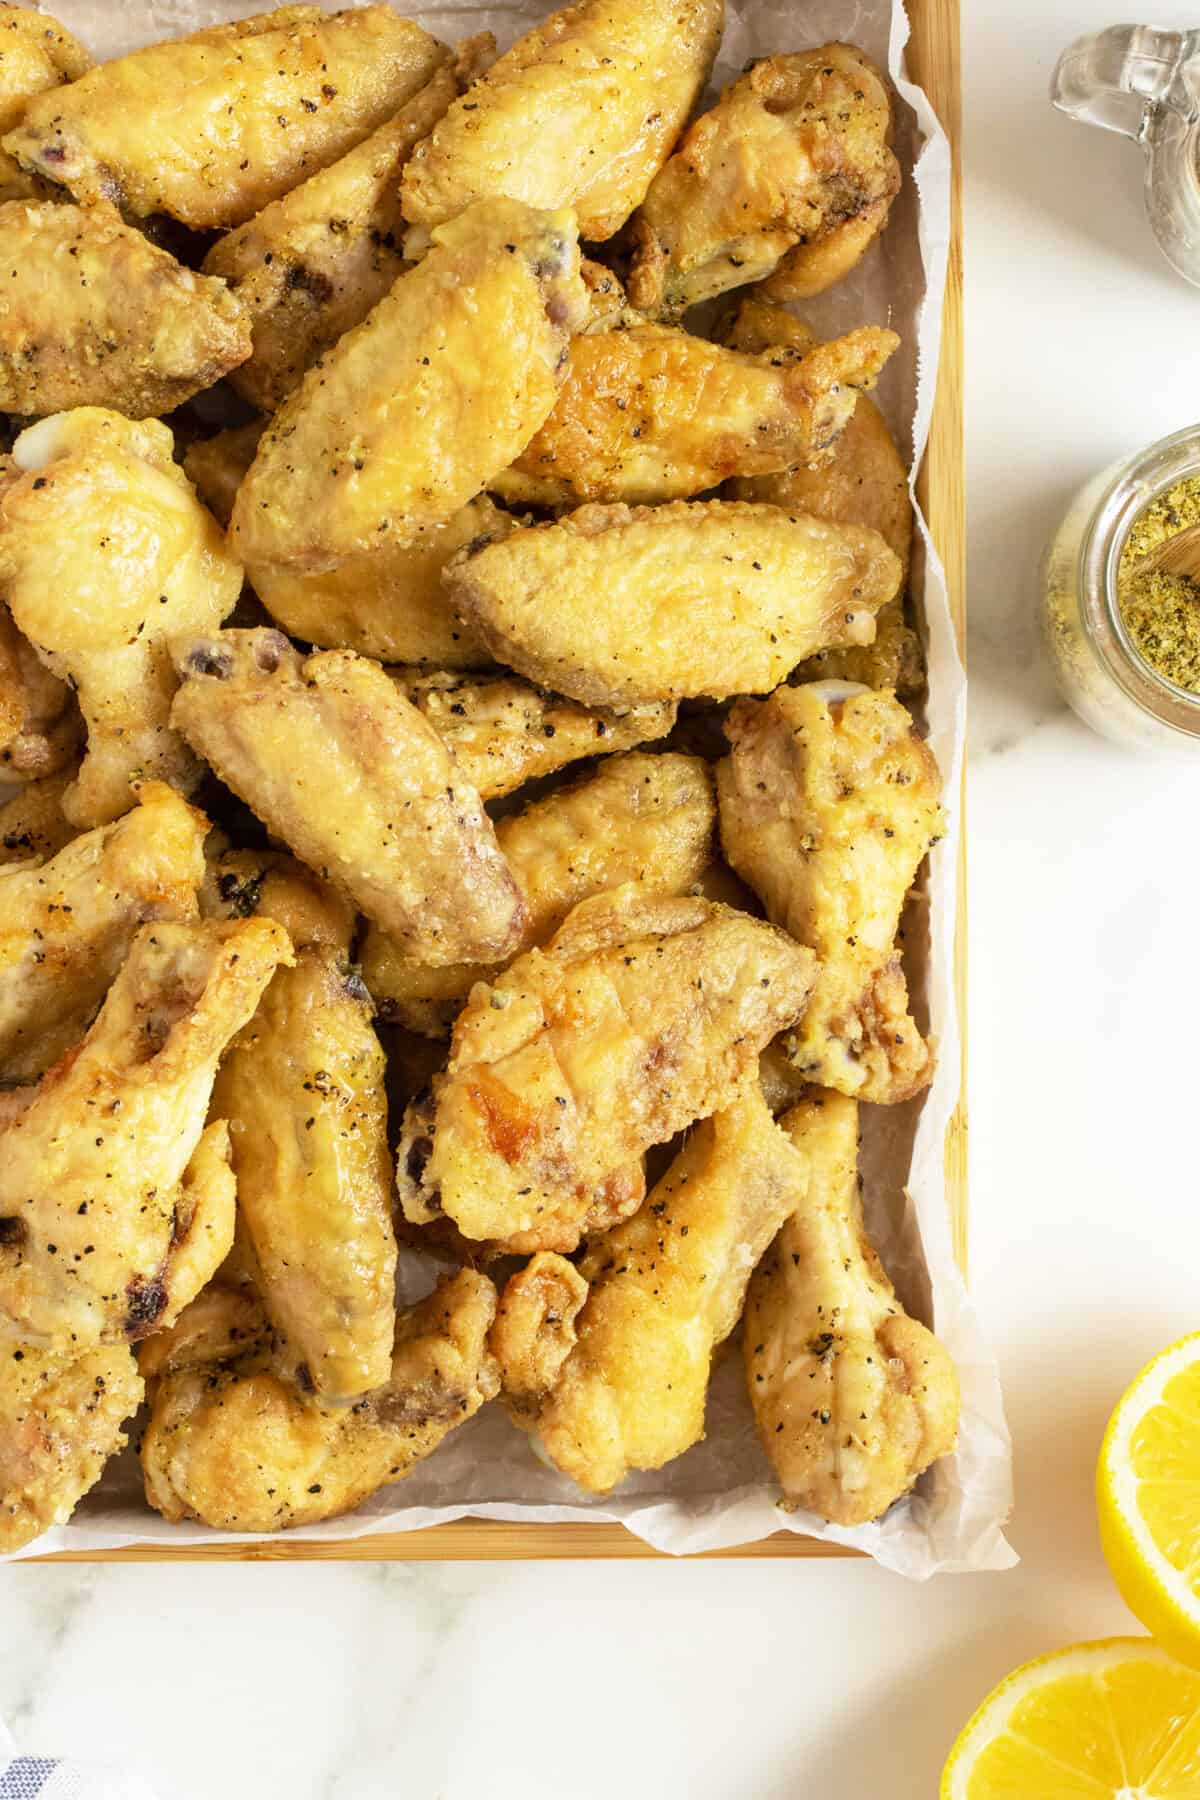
(1160, 611)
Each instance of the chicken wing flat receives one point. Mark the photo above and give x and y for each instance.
(503, 732)
(33, 825)
(414, 411)
(794, 149)
(93, 314)
(268, 884)
(41, 731)
(211, 128)
(243, 1449)
(609, 83)
(829, 804)
(853, 1399)
(651, 414)
(643, 1014)
(224, 1322)
(663, 1290)
(36, 53)
(101, 1237)
(60, 1421)
(66, 926)
(351, 777)
(106, 553)
(616, 605)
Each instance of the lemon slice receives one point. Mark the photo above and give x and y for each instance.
(1148, 1497)
(1114, 1720)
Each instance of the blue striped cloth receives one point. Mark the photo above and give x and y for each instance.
(49, 1778)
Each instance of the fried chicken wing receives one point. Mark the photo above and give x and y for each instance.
(106, 553)
(414, 411)
(853, 1399)
(243, 1449)
(341, 767)
(268, 884)
(211, 128)
(829, 803)
(222, 1323)
(93, 314)
(663, 1289)
(32, 823)
(643, 1014)
(216, 466)
(619, 606)
(60, 1421)
(639, 818)
(66, 925)
(581, 112)
(36, 53)
(41, 730)
(105, 1233)
(794, 149)
(652, 414)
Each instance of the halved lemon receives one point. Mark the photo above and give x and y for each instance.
(1114, 1720)
(1148, 1497)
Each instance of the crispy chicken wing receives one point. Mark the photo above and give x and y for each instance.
(269, 884)
(243, 1449)
(853, 1399)
(60, 1421)
(619, 606)
(829, 803)
(417, 408)
(663, 1289)
(211, 128)
(643, 1014)
(216, 466)
(36, 53)
(32, 822)
(66, 926)
(41, 731)
(794, 149)
(581, 112)
(105, 553)
(224, 1321)
(646, 819)
(93, 314)
(653, 414)
(341, 767)
(103, 1236)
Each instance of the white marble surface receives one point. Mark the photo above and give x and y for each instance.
(799, 1681)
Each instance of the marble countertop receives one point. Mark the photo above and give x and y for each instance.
(803, 1680)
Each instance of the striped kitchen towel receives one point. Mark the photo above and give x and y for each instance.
(49, 1778)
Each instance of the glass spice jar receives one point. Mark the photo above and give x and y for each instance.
(1103, 677)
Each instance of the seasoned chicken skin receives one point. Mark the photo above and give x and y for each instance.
(414, 411)
(93, 314)
(853, 1399)
(792, 150)
(211, 128)
(269, 884)
(41, 731)
(642, 1014)
(66, 926)
(243, 1449)
(105, 1233)
(581, 112)
(33, 825)
(105, 553)
(652, 414)
(224, 1321)
(619, 606)
(829, 804)
(296, 736)
(36, 53)
(60, 1421)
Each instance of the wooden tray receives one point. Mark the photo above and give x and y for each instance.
(934, 62)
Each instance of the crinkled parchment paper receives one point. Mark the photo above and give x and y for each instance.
(721, 1492)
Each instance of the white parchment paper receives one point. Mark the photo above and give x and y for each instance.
(721, 1493)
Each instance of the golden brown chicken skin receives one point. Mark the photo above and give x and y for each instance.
(211, 128)
(853, 1399)
(642, 1014)
(41, 731)
(33, 825)
(618, 605)
(299, 737)
(216, 466)
(663, 1289)
(106, 553)
(226, 1320)
(794, 149)
(114, 1208)
(581, 112)
(829, 802)
(243, 1449)
(66, 926)
(269, 884)
(93, 314)
(414, 411)
(36, 53)
(652, 414)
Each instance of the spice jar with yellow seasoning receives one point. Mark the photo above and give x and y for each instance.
(1122, 624)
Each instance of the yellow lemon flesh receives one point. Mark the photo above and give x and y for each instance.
(1115, 1720)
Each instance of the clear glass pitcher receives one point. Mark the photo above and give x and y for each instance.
(1145, 83)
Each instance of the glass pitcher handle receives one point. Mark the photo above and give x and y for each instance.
(1112, 78)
